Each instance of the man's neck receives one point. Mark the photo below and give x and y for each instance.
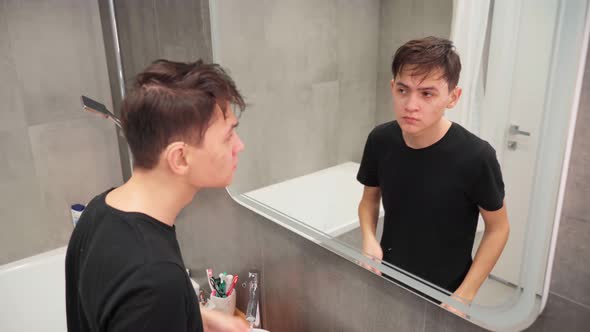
(152, 194)
(428, 136)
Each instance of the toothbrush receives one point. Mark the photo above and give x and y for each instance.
(232, 286)
(222, 282)
(209, 277)
(228, 279)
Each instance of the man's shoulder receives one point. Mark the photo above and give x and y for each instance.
(471, 151)
(96, 204)
(471, 142)
(385, 128)
(387, 132)
(103, 234)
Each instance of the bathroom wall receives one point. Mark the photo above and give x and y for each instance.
(307, 69)
(400, 21)
(174, 30)
(307, 288)
(52, 154)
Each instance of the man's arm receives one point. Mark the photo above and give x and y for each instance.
(368, 215)
(214, 321)
(492, 244)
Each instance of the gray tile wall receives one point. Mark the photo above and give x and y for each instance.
(52, 154)
(173, 29)
(307, 69)
(400, 21)
(307, 288)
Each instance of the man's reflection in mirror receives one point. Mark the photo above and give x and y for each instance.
(434, 177)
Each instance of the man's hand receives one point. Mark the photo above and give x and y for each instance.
(368, 215)
(215, 321)
(372, 249)
(492, 244)
(455, 310)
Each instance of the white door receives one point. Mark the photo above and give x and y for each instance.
(516, 150)
(520, 49)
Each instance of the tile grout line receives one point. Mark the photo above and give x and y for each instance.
(585, 306)
(579, 219)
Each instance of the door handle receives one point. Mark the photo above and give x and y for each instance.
(515, 130)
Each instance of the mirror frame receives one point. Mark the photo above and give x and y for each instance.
(519, 312)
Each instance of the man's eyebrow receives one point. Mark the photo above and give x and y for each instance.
(234, 126)
(425, 88)
(428, 88)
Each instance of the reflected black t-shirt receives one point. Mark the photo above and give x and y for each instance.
(431, 198)
(124, 272)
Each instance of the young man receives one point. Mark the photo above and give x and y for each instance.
(124, 270)
(434, 176)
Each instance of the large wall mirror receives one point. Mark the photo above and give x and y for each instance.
(316, 75)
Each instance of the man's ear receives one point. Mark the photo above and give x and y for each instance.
(175, 155)
(455, 96)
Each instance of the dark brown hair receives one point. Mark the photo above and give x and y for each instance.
(173, 101)
(426, 55)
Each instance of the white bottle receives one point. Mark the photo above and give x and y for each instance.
(76, 211)
(196, 286)
(193, 282)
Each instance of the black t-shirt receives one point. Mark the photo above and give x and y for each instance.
(431, 198)
(124, 272)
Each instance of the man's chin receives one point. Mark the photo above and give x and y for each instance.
(229, 181)
(410, 129)
(220, 184)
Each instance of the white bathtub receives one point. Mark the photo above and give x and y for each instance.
(326, 200)
(32, 293)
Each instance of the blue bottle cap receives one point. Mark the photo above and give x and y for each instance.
(78, 207)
